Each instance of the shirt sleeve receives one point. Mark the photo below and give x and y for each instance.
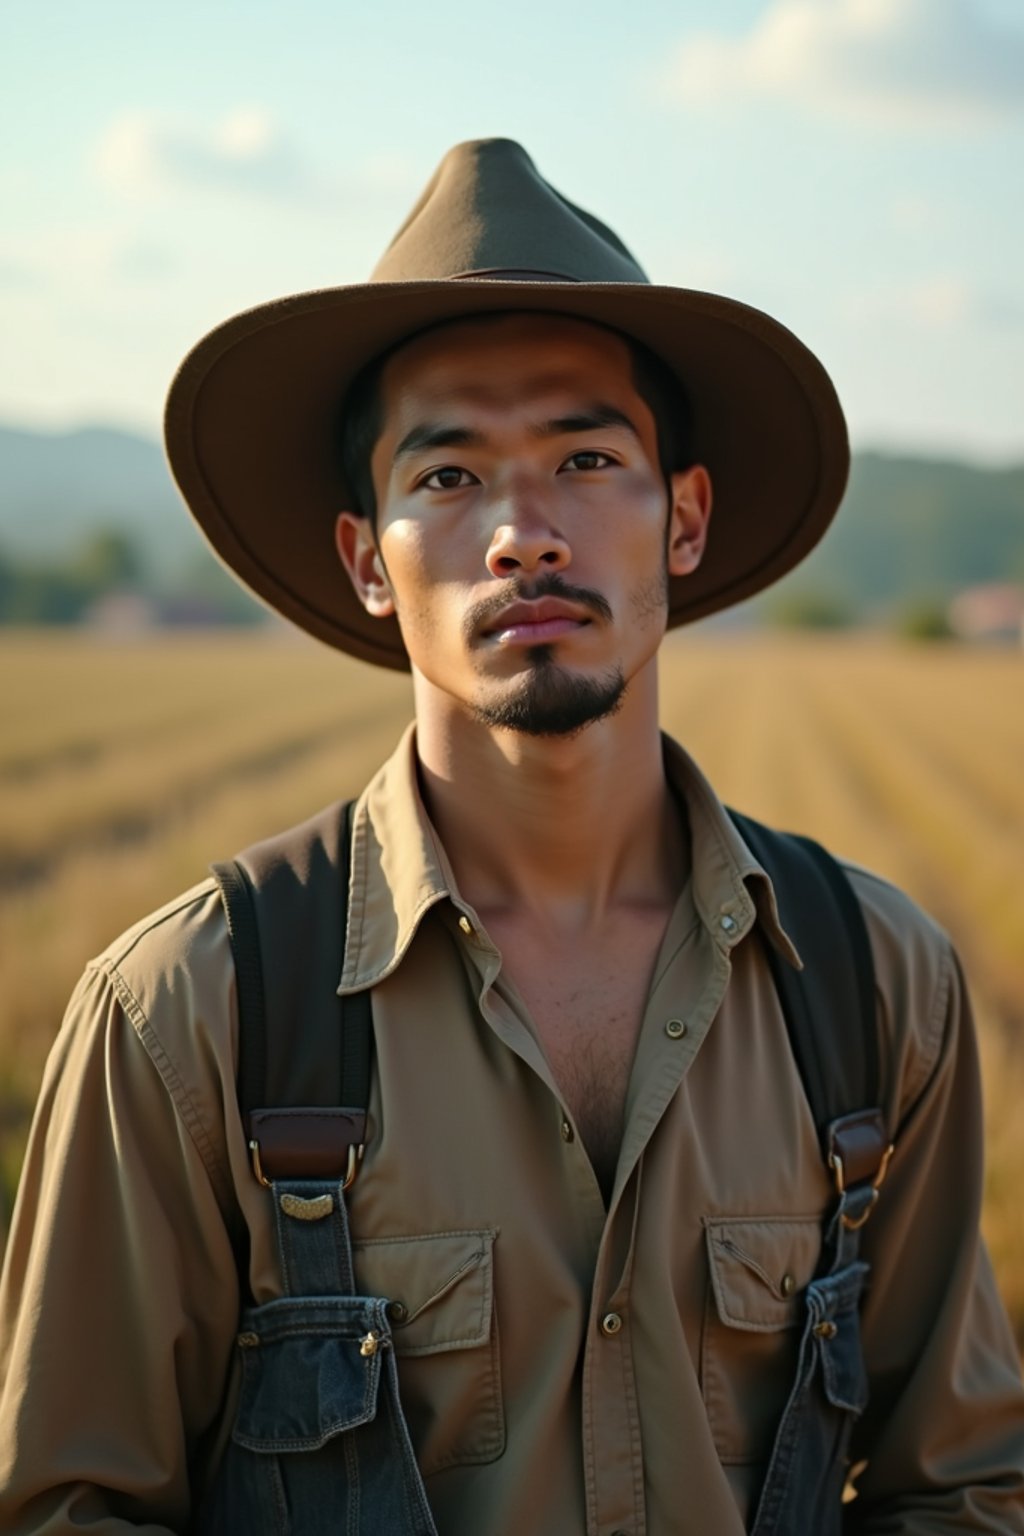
(943, 1437)
(119, 1298)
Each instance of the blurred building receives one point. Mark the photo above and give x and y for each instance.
(121, 613)
(993, 613)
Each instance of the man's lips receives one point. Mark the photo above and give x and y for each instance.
(547, 618)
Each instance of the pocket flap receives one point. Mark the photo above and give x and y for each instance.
(438, 1285)
(760, 1267)
(306, 1375)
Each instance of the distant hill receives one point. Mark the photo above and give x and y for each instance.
(913, 527)
(909, 527)
(58, 487)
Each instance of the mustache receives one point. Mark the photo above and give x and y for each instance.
(548, 584)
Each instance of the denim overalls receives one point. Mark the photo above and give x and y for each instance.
(802, 1491)
(320, 1445)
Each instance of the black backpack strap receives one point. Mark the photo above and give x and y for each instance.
(286, 903)
(237, 897)
(829, 1006)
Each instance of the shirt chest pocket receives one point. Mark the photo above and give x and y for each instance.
(758, 1270)
(440, 1292)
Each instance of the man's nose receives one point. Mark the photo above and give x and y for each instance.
(525, 539)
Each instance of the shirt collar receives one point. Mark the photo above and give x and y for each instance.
(731, 888)
(399, 869)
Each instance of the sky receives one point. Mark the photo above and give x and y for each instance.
(854, 167)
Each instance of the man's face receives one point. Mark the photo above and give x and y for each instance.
(524, 526)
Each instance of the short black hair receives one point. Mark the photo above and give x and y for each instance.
(656, 384)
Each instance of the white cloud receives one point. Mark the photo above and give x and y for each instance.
(947, 303)
(915, 62)
(911, 213)
(388, 171)
(244, 151)
(97, 255)
(941, 303)
(16, 273)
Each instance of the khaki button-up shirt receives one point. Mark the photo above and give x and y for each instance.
(566, 1368)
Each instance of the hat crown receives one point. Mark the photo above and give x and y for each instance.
(487, 210)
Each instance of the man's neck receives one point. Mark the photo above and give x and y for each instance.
(562, 830)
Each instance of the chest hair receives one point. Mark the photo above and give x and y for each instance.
(586, 1000)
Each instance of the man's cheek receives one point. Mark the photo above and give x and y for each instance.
(648, 601)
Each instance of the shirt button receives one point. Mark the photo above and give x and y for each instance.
(728, 924)
(675, 1029)
(466, 925)
(787, 1284)
(611, 1323)
(397, 1311)
(568, 1134)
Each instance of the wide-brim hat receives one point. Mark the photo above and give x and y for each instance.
(253, 416)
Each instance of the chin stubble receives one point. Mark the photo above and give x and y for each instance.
(551, 701)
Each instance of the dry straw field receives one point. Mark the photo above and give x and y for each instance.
(125, 769)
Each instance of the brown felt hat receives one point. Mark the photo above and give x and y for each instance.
(253, 415)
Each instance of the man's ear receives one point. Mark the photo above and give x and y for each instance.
(357, 549)
(689, 517)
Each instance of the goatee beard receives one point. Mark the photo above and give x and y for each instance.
(553, 702)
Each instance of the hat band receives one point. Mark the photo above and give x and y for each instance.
(513, 275)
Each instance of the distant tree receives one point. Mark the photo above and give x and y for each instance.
(924, 618)
(43, 595)
(203, 593)
(107, 560)
(8, 578)
(61, 591)
(812, 610)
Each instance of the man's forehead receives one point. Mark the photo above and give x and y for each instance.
(462, 357)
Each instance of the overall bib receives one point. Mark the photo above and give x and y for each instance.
(802, 1492)
(320, 1446)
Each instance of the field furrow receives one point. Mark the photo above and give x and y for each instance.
(123, 772)
(146, 778)
(982, 761)
(947, 848)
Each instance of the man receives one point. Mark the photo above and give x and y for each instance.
(592, 1193)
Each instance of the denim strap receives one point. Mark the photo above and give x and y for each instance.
(842, 1234)
(313, 1237)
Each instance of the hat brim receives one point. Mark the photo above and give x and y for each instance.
(252, 434)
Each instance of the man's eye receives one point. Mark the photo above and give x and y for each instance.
(448, 478)
(587, 459)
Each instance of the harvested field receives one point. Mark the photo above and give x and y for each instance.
(125, 769)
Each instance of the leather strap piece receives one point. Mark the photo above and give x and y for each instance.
(860, 1143)
(306, 1143)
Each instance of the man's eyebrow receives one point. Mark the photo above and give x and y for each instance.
(590, 420)
(441, 435)
(436, 435)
